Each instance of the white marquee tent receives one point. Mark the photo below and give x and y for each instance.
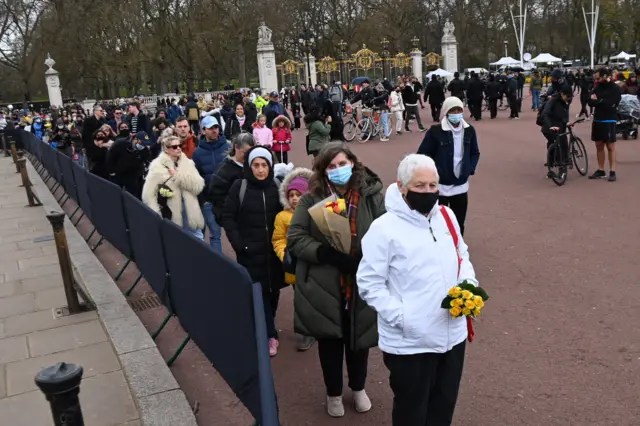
(507, 60)
(545, 58)
(440, 72)
(623, 55)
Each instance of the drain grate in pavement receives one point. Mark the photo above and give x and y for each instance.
(144, 303)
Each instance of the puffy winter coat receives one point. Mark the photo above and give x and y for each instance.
(221, 182)
(249, 227)
(185, 184)
(409, 262)
(209, 155)
(318, 300)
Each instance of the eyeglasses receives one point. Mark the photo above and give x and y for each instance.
(174, 146)
(118, 113)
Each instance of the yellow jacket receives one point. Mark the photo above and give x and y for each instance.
(260, 103)
(279, 239)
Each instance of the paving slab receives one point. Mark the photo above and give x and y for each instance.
(42, 320)
(115, 405)
(50, 298)
(13, 349)
(17, 305)
(27, 409)
(67, 337)
(94, 359)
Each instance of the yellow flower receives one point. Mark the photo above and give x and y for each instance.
(466, 312)
(469, 304)
(455, 291)
(478, 301)
(466, 294)
(476, 311)
(453, 303)
(455, 312)
(459, 302)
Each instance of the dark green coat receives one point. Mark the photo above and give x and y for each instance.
(318, 301)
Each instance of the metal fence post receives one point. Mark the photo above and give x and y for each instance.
(57, 223)
(14, 154)
(4, 145)
(33, 199)
(60, 383)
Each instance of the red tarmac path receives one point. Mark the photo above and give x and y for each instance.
(557, 344)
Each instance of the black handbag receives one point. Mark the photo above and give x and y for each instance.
(165, 211)
(289, 262)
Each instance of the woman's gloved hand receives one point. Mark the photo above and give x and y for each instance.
(345, 263)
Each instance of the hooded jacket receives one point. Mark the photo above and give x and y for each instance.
(409, 263)
(318, 300)
(185, 184)
(283, 219)
(249, 227)
(221, 182)
(438, 144)
(281, 135)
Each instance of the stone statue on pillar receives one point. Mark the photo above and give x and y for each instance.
(53, 83)
(267, 71)
(449, 48)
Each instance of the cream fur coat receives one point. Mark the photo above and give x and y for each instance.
(186, 184)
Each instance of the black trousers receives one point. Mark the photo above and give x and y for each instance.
(458, 204)
(493, 107)
(411, 111)
(332, 354)
(475, 106)
(283, 157)
(514, 106)
(435, 111)
(425, 386)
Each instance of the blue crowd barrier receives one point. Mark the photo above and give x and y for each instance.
(212, 296)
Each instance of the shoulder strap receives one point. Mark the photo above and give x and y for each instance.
(454, 234)
(243, 190)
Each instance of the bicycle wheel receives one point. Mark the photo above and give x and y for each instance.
(364, 130)
(556, 165)
(349, 130)
(579, 156)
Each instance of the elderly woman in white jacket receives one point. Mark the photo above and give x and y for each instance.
(173, 171)
(409, 263)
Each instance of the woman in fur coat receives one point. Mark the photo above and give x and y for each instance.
(172, 186)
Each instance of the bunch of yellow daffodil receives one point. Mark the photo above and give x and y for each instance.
(465, 299)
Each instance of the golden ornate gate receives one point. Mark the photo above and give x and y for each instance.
(291, 72)
(327, 70)
(365, 63)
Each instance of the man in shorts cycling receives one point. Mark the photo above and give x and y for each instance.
(605, 99)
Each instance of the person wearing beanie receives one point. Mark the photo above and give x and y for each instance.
(248, 220)
(464, 151)
(293, 187)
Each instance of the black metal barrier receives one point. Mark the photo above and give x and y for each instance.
(212, 296)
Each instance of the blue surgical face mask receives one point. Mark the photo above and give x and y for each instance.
(140, 146)
(455, 118)
(509, 76)
(341, 175)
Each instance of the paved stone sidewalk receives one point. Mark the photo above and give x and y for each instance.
(31, 338)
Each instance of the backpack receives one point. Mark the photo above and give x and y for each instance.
(543, 103)
(335, 94)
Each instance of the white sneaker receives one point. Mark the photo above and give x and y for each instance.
(361, 401)
(335, 408)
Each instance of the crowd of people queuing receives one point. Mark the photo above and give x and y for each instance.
(222, 165)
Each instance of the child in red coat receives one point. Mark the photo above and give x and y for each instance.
(282, 138)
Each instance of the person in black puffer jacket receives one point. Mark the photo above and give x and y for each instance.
(229, 171)
(555, 117)
(456, 87)
(248, 220)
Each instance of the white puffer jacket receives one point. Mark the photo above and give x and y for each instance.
(409, 263)
(396, 101)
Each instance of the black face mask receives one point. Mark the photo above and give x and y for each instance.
(124, 133)
(422, 202)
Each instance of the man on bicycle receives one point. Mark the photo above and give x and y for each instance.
(555, 117)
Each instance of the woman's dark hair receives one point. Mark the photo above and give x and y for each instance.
(318, 181)
(314, 115)
(603, 72)
(95, 134)
(241, 140)
(123, 123)
(241, 105)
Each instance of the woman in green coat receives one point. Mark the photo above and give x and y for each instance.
(326, 301)
(319, 129)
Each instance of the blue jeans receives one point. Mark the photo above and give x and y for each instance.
(215, 237)
(185, 224)
(81, 159)
(535, 94)
(384, 118)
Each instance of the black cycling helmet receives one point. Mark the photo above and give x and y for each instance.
(556, 74)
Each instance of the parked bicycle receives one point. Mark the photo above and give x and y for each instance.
(350, 127)
(370, 126)
(563, 155)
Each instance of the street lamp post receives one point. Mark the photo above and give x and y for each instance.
(306, 41)
(385, 56)
(342, 46)
(506, 48)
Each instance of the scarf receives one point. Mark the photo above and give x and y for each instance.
(346, 281)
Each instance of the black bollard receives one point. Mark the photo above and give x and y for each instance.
(66, 269)
(26, 183)
(60, 383)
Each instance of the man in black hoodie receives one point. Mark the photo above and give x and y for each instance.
(605, 99)
(456, 87)
(493, 93)
(475, 90)
(434, 94)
